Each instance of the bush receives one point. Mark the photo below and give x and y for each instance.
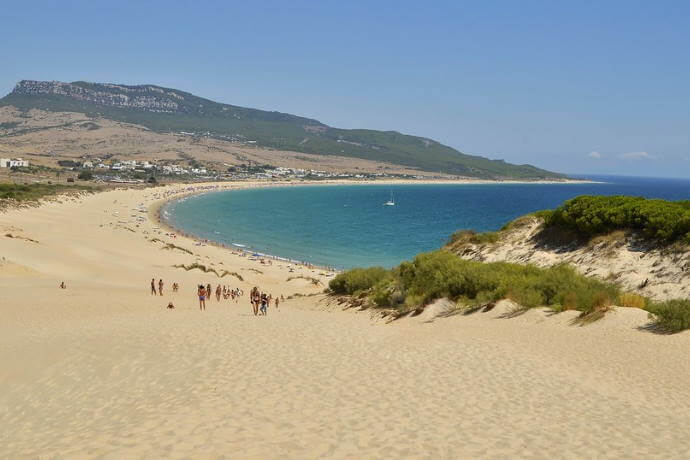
(472, 237)
(630, 300)
(672, 315)
(85, 175)
(358, 279)
(33, 192)
(664, 221)
(438, 274)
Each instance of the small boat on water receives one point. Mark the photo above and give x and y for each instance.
(390, 202)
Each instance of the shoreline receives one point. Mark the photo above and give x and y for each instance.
(203, 188)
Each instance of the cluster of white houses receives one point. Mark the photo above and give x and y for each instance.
(13, 162)
(141, 166)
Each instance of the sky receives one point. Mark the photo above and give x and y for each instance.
(596, 87)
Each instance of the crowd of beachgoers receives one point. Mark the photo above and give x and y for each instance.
(259, 300)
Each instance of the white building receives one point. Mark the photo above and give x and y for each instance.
(11, 163)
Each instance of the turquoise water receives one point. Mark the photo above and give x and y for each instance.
(348, 226)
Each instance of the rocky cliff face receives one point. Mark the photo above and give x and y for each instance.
(147, 98)
(625, 258)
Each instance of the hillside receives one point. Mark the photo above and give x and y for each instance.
(642, 245)
(165, 110)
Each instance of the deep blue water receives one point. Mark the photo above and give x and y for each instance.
(347, 226)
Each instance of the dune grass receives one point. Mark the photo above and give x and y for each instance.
(25, 193)
(311, 279)
(205, 269)
(670, 316)
(235, 274)
(440, 274)
(170, 246)
(197, 266)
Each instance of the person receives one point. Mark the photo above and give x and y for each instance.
(209, 292)
(63, 285)
(153, 286)
(160, 286)
(277, 301)
(254, 300)
(170, 306)
(201, 292)
(264, 304)
(175, 287)
(218, 293)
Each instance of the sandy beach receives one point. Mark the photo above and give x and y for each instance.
(103, 369)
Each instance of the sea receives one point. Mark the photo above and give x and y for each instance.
(346, 226)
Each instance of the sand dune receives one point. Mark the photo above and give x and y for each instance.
(103, 369)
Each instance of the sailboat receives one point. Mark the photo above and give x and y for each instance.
(390, 202)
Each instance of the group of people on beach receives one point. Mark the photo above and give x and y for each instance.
(261, 301)
(175, 287)
(222, 292)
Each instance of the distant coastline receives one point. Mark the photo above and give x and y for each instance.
(157, 211)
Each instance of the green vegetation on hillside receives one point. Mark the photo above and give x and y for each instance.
(441, 274)
(275, 130)
(34, 192)
(661, 220)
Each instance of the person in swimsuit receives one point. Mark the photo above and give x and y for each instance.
(253, 299)
(201, 292)
(264, 304)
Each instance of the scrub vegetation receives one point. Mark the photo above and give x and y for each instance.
(590, 216)
(441, 274)
(24, 193)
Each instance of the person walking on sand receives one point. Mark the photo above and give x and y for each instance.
(218, 293)
(153, 286)
(277, 302)
(201, 292)
(160, 286)
(253, 299)
(264, 304)
(209, 292)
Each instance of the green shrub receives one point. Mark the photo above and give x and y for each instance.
(470, 236)
(664, 221)
(672, 315)
(438, 274)
(34, 192)
(85, 175)
(358, 279)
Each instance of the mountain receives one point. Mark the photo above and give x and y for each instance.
(170, 110)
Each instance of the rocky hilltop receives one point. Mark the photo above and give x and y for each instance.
(147, 97)
(166, 110)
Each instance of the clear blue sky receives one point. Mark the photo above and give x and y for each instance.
(593, 87)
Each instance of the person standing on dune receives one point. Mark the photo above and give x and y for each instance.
(201, 292)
